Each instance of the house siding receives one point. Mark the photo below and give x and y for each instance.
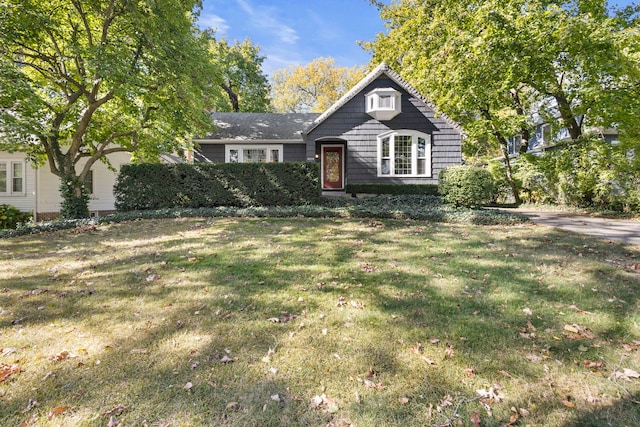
(26, 200)
(360, 130)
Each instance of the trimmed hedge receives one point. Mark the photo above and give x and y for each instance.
(206, 185)
(393, 189)
(466, 186)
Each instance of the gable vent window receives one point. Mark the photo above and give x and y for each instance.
(404, 153)
(383, 103)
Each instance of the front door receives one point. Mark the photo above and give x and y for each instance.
(332, 167)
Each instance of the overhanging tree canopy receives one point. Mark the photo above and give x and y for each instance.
(500, 67)
(80, 79)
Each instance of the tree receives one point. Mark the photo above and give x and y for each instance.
(246, 87)
(500, 67)
(81, 79)
(313, 87)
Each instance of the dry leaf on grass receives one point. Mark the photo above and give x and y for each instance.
(626, 374)
(7, 370)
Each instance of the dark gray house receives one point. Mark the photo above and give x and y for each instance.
(380, 132)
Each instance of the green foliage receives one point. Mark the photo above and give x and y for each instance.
(10, 217)
(156, 186)
(504, 193)
(244, 87)
(498, 67)
(82, 79)
(75, 198)
(415, 207)
(424, 189)
(588, 172)
(466, 186)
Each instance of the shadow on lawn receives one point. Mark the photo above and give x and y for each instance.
(238, 281)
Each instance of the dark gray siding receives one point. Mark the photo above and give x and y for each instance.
(214, 153)
(360, 130)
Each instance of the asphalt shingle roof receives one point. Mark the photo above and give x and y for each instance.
(260, 126)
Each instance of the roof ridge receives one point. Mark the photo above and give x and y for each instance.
(382, 68)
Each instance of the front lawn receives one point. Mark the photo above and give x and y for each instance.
(317, 322)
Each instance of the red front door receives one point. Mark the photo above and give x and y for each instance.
(332, 167)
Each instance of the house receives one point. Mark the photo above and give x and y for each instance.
(36, 190)
(380, 132)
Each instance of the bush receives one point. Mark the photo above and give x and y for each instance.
(393, 189)
(205, 185)
(466, 186)
(10, 217)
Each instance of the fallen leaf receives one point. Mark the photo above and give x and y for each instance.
(276, 398)
(188, 386)
(571, 328)
(59, 410)
(404, 400)
(7, 370)
(568, 404)
(631, 373)
(527, 311)
(115, 411)
(475, 419)
(505, 373)
(60, 356)
(429, 361)
(112, 422)
(226, 359)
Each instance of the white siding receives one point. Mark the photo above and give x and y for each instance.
(103, 180)
(47, 185)
(26, 200)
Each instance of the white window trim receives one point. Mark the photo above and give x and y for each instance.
(375, 110)
(414, 154)
(8, 190)
(242, 147)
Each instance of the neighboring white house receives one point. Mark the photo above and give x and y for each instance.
(37, 190)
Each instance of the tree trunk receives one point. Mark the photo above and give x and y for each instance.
(233, 97)
(566, 113)
(75, 198)
(505, 152)
(525, 132)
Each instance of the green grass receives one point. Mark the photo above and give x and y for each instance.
(395, 322)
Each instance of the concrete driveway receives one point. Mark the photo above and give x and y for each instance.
(625, 231)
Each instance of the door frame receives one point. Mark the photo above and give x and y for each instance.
(343, 148)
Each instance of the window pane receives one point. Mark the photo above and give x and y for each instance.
(17, 178)
(275, 156)
(422, 163)
(385, 147)
(385, 101)
(255, 155)
(402, 148)
(384, 167)
(422, 147)
(3, 177)
(88, 182)
(233, 156)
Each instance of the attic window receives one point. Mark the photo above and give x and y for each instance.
(383, 103)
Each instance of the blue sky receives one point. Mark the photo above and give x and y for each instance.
(292, 32)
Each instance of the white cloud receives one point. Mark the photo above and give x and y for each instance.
(210, 20)
(266, 19)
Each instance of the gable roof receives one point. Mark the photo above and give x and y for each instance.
(259, 126)
(381, 69)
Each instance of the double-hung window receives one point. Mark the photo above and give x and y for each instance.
(404, 153)
(11, 178)
(253, 153)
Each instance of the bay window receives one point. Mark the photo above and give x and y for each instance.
(404, 153)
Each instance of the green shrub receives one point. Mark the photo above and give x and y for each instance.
(205, 185)
(10, 217)
(393, 189)
(466, 186)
